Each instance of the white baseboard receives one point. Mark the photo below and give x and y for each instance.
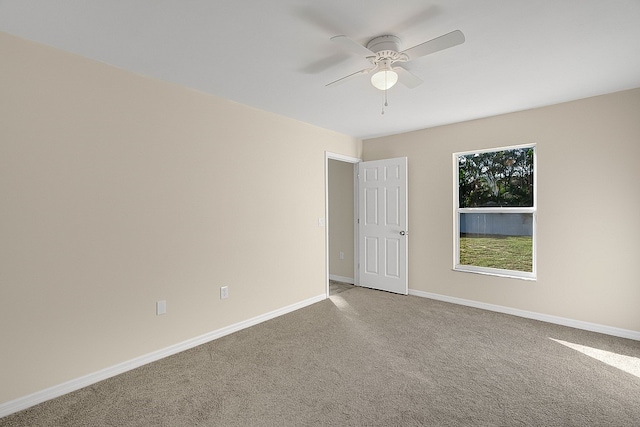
(342, 279)
(578, 324)
(25, 402)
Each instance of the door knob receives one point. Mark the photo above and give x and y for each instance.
(402, 233)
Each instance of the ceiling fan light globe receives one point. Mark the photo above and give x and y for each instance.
(384, 79)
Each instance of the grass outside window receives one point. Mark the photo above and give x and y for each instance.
(504, 252)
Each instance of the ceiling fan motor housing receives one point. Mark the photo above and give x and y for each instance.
(386, 47)
(386, 42)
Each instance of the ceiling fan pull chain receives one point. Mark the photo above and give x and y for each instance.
(386, 104)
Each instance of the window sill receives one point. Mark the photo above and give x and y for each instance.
(510, 274)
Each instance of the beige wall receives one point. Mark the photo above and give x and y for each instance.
(588, 208)
(341, 217)
(119, 190)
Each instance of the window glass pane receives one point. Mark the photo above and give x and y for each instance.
(496, 179)
(497, 240)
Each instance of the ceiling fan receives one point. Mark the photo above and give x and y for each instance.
(385, 55)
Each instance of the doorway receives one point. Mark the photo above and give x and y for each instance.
(378, 191)
(341, 214)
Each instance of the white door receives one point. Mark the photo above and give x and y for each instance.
(382, 225)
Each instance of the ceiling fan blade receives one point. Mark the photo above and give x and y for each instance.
(345, 78)
(352, 46)
(325, 63)
(445, 41)
(407, 78)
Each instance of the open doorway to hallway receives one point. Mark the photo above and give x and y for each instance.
(341, 218)
(376, 251)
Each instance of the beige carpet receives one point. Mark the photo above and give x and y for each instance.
(369, 358)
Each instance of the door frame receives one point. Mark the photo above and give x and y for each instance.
(347, 159)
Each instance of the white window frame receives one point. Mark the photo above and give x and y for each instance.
(526, 275)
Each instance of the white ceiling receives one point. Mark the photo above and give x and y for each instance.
(276, 55)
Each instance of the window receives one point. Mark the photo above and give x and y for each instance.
(495, 211)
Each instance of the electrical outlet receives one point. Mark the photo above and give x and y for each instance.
(224, 292)
(341, 255)
(161, 307)
(320, 222)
